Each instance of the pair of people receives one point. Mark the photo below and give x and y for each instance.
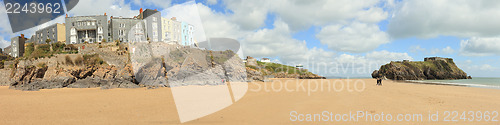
(379, 81)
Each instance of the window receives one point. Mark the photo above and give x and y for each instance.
(99, 30)
(93, 23)
(154, 19)
(121, 32)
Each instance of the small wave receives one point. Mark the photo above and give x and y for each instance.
(455, 84)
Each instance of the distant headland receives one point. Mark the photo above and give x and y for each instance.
(429, 69)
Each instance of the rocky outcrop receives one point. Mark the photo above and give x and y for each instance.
(33, 78)
(431, 68)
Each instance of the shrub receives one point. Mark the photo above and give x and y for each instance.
(41, 65)
(58, 46)
(117, 42)
(79, 60)
(1, 64)
(72, 47)
(28, 49)
(68, 61)
(92, 60)
(41, 51)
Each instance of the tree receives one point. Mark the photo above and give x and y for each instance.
(117, 42)
(48, 41)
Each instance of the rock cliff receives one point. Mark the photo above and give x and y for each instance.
(430, 69)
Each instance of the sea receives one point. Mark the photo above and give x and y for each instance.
(482, 82)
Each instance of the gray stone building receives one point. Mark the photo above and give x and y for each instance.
(152, 20)
(127, 29)
(81, 29)
(55, 32)
(17, 46)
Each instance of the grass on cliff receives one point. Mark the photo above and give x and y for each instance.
(432, 65)
(47, 50)
(276, 68)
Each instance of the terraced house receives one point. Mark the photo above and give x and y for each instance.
(90, 29)
(51, 34)
(127, 29)
(152, 19)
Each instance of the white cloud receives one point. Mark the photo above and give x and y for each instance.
(478, 46)
(301, 14)
(3, 43)
(218, 24)
(212, 2)
(361, 66)
(356, 37)
(486, 67)
(431, 18)
(99, 7)
(446, 50)
(385, 56)
(187, 12)
(417, 49)
(160, 4)
(474, 69)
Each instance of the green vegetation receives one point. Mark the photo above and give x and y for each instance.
(78, 61)
(92, 60)
(28, 49)
(276, 68)
(432, 65)
(40, 51)
(48, 41)
(117, 42)
(1, 64)
(48, 50)
(68, 60)
(41, 65)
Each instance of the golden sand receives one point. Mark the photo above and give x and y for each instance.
(264, 103)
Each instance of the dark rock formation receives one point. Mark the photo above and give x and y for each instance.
(431, 68)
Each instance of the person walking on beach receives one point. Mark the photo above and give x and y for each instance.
(379, 81)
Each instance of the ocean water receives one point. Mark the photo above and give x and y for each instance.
(483, 82)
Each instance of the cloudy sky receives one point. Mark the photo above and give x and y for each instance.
(349, 38)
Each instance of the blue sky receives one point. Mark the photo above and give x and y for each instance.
(338, 33)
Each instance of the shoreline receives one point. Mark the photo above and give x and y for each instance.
(450, 84)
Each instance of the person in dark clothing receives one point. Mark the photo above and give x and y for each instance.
(379, 81)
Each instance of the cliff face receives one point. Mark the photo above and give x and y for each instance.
(147, 65)
(431, 68)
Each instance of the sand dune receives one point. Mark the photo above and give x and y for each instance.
(264, 103)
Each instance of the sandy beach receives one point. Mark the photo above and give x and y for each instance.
(277, 102)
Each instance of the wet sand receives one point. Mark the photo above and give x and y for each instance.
(264, 103)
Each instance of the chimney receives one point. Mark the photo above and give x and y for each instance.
(140, 11)
(173, 18)
(66, 15)
(111, 17)
(156, 10)
(104, 14)
(22, 35)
